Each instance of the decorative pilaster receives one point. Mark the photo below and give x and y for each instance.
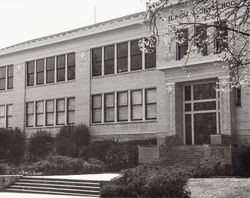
(170, 88)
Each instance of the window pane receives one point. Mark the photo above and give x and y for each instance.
(71, 73)
(9, 122)
(109, 100)
(60, 105)
(182, 47)
(137, 112)
(122, 64)
(3, 72)
(60, 74)
(150, 95)
(204, 106)
(135, 50)
(60, 61)
(136, 97)
(122, 98)
(151, 111)
(50, 63)
(50, 119)
(97, 101)
(30, 120)
(2, 122)
(109, 52)
(71, 59)
(60, 120)
(109, 67)
(71, 117)
(2, 84)
(39, 78)
(30, 67)
(97, 115)
(188, 107)
(9, 110)
(109, 59)
(71, 104)
(10, 71)
(30, 108)
(188, 129)
(40, 65)
(50, 76)
(97, 68)
(150, 60)
(39, 107)
(49, 106)
(2, 111)
(187, 93)
(10, 82)
(39, 119)
(201, 36)
(204, 91)
(122, 50)
(123, 113)
(97, 54)
(109, 114)
(136, 62)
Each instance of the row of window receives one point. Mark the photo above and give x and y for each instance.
(6, 114)
(124, 106)
(201, 35)
(122, 57)
(50, 112)
(51, 69)
(6, 77)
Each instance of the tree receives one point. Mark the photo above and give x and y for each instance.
(222, 24)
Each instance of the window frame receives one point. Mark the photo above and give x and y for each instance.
(136, 105)
(49, 112)
(112, 58)
(3, 79)
(184, 45)
(38, 73)
(28, 114)
(122, 57)
(60, 111)
(10, 77)
(70, 111)
(96, 108)
(60, 68)
(122, 106)
(96, 62)
(220, 45)
(203, 37)
(49, 70)
(71, 66)
(30, 74)
(8, 116)
(40, 113)
(109, 107)
(133, 55)
(150, 103)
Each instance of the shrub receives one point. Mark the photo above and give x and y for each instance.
(148, 181)
(241, 165)
(41, 144)
(62, 165)
(12, 145)
(71, 140)
(3, 169)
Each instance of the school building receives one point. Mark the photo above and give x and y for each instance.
(98, 76)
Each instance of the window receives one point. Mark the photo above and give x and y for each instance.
(221, 36)
(30, 73)
(60, 66)
(150, 58)
(2, 78)
(40, 113)
(71, 66)
(71, 111)
(2, 116)
(97, 62)
(97, 109)
(30, 114)
(9, 121)
(122, 106)
(150, 104)
(50, 70)
(109, 107)
(136, 56)
(200, 38)
(109, 59)
(49, 112)
(238, 96)
(40, 72)
(60, 111)
(183, 46)
(136, 105)
(122, 57)
(10, 77)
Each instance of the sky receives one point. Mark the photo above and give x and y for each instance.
(22, 20)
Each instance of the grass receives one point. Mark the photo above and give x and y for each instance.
(220, 188)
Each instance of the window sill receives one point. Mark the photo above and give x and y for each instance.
(124, 73)
(124, 122)
(6, 90)
(48, 84)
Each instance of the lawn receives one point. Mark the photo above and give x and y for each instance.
(219, 188)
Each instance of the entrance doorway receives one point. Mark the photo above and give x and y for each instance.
(201, 112)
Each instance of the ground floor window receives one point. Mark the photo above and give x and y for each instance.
(6, 114)
(201, 112)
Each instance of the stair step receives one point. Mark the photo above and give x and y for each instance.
(41, 188)
(57, 185)
(66, 182)
(59, 179)
(50, 192)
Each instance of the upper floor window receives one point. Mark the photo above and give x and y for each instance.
(200, 38)
(6, 77)
(136, 55)
(42, 71)
(182, 47)
(221, 39)
(122, 57)
(109, 59)
(97, 62)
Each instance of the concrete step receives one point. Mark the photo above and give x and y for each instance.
(56, 186)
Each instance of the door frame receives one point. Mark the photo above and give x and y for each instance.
(192, 112)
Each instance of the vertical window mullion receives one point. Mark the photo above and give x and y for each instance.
(103, 69)
(66, 111)
(55, 74)
(6, 78)
(102, 111)
(115, 58)
(143, 105)
(35, 73)
(129, 56)
(66, 67)
(143, 57)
